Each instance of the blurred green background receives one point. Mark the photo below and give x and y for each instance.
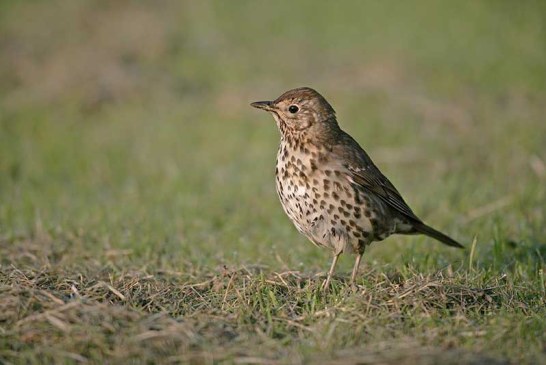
(126, 125)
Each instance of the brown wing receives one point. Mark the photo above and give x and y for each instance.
(365, 174)
(362, 172)
(378, 184)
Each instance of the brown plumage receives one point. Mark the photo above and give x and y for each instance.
(328, 185)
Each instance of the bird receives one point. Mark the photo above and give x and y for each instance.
(329, 186)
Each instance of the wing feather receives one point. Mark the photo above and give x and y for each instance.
(364, 174)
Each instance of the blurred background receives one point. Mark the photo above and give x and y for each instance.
(125, 126)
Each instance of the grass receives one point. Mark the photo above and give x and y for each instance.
(138, 217)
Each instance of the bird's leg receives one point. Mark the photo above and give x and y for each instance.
(326, 283)
(355, 268)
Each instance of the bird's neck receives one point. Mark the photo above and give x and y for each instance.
(325, 133)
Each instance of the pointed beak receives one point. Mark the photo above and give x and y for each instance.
(265, 105)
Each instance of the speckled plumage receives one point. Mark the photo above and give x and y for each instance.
(328, 185)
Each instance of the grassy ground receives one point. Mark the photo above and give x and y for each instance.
(138, 217)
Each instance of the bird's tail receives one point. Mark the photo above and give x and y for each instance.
(431, 232)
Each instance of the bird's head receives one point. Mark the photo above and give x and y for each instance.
(300, 111)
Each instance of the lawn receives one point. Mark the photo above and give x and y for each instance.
(138, 216)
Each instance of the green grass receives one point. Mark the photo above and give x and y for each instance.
(138, 217)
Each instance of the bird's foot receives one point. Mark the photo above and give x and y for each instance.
(325, 286)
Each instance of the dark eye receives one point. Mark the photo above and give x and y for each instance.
(293, 109)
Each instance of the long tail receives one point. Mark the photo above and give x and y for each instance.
(431, 232)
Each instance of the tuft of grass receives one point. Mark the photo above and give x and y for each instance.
(251, 313)
(110, 311)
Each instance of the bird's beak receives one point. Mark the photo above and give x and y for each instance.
(265, 105)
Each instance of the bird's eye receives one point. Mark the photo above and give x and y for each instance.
(293, 109)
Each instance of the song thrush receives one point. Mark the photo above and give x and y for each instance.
(329, 186)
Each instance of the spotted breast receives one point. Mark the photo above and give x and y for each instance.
(323, 204)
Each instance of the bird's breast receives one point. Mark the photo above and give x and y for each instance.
(324, 204)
